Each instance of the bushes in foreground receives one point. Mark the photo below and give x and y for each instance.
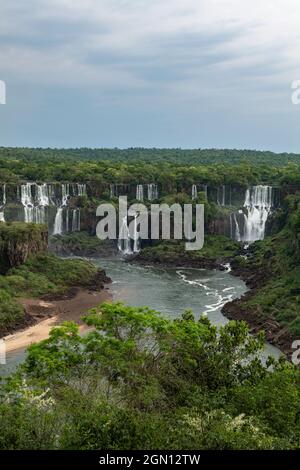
(141, 381)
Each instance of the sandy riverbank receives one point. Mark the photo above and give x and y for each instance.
(52, 313)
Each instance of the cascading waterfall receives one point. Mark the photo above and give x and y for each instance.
(221, 198)
(75, 189)
(112, 191)
(136, 239)
(81, 189)
(140, 192)
(42, 202)
(65, 193)
(258, 205)
(124, 241)
(75, 220)
(2, 217)
(234, 228)
(58, 222)
(194, 192)
(250, 223)
(27, 201)
(152, 191)
(58, 228)
(129, 245)
(36, 198)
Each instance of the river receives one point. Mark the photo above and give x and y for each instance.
(167, 290)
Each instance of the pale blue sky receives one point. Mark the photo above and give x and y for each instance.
(172, 73)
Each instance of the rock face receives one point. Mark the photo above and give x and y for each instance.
(18, 241)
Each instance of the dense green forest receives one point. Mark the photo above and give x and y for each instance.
(237, 168)
(153, 155)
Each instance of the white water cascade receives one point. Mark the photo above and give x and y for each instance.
(35, 198)
(38, 199)
(136, 236)
(58, 222)
(221, 198)
(234, 228)
(258, 205)
(152, 191)
(81, 189)
(65, 193)
(75, 220)
(2, 218)
(249, 224)
(126, 244)
(194, 192)
(124, 241)
(63, 213)
(27, 201)
(139, 192)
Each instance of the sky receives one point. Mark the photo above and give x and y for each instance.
(150, 73)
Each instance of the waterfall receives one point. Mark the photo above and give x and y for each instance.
(194, 192)
(4, 195)
(81, 189)
(234, 228)
(36, 200)
(126, 244)
(221, 201)
(112, 191)
(140, 192)
(42, 195)
(65, 193)
(258, 205)
(250, 226)
(152, 191)
(76, 220)
(51, 195)
(223, 195)
(2, 218)
(58, 223)
(124, 241)
(27, 201)
(136, 239)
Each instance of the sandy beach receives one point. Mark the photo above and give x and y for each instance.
(52, 313)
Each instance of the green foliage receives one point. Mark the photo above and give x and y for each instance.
(78, 243)
(10, 310)
(46, 273)
(43, 274)
(141, 381)
(216, 247)
(275, 261)
(171, 168)
(18, 241)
